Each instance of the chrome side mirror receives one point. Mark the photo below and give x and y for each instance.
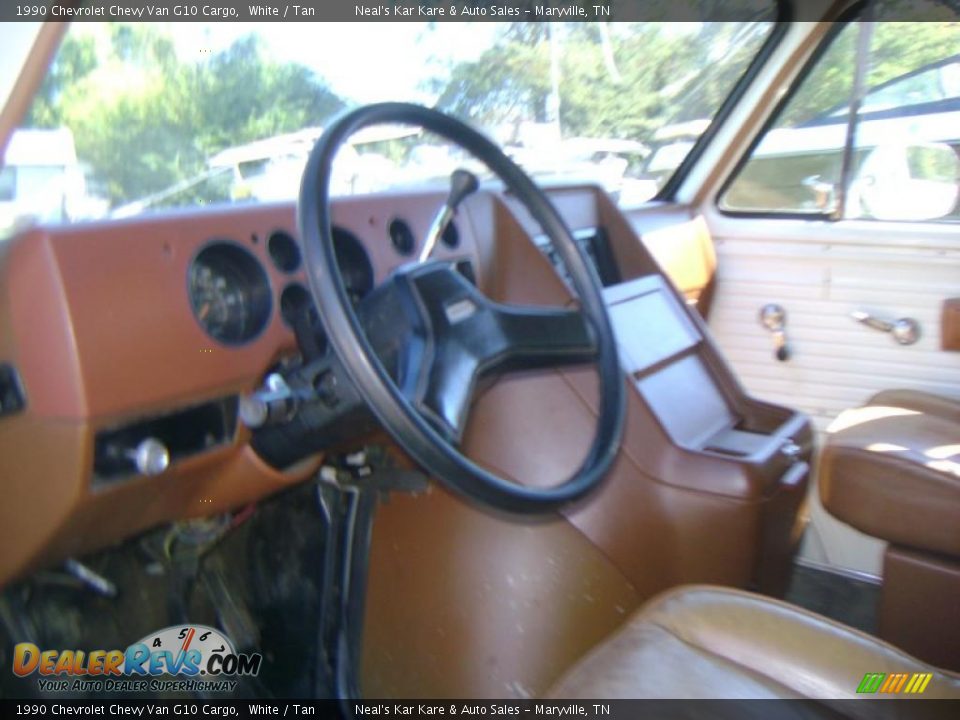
(906, 182)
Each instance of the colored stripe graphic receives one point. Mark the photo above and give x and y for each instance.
(919, 682)
(913, 683)
(871, 682)
(898, 682)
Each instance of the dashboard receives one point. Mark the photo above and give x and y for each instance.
(126, 348)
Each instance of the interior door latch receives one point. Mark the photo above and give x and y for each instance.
(774, 318)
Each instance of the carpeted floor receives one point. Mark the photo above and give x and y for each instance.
(845, 599)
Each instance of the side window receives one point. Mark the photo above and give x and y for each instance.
(905, 163)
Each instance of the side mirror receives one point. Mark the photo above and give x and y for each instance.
(907, 182)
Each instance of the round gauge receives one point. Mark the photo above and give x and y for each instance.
(229, 293)
(355, 267)
(284, 251)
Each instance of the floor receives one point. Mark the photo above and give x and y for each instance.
(258, 580)
(850, 601)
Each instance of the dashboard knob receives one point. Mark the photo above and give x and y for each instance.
(254, 411)
(274, 403)
(150, 457)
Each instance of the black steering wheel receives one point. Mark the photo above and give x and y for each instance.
(417, 344)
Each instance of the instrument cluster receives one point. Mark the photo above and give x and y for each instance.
(229, 289)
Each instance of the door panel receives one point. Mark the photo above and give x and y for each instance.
(820, 273)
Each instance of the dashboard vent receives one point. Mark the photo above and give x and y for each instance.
(12, 399)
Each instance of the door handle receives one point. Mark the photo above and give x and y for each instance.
(905, 331)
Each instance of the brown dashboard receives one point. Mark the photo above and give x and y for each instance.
(96, 320)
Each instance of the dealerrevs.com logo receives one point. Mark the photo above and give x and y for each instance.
(195, 657)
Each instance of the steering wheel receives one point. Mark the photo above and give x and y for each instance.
(416, 345)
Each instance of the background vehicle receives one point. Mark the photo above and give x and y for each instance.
(42, 181)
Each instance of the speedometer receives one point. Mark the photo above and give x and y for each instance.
(229, 293)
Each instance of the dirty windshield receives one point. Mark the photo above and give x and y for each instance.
(136, 118)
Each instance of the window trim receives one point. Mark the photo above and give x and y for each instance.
(848, 16)
(784, 16)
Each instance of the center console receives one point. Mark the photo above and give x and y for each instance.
(718, 478)
(661, 348)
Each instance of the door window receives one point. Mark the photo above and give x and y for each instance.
(904, 162)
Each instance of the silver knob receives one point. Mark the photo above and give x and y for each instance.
(150, 457)
(254, 411)
(906, 331)
(275, 403)
(773, 317)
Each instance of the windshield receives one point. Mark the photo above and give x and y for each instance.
(137, 118)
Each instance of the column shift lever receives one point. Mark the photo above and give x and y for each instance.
(462, 183)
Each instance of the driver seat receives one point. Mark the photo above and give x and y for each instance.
(705, 642)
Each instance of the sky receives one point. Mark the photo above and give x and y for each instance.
(364, 61)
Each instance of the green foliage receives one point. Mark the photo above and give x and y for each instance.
(896, 48)
(77, 58)
(144, 120)
(899, 47)
(510, 80)
(615, 80)
(899, 52)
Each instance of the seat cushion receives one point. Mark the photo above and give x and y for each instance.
(928, 403)
(892, 470)
(701, 642)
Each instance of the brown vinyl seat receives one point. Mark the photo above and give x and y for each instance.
(705, 642)
(891, 469)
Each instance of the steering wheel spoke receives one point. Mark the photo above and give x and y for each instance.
(446, 335)
(544, 337)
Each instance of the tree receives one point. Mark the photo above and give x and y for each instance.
(76, 59)
(615, 81)
(144, 120)
(896, 48)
